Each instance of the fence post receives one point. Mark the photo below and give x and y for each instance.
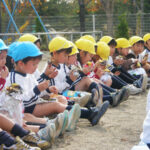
(93, 20)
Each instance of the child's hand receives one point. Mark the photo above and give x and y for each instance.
(43, 85)
(117, 73)
(72, 76)
(99, 72)
(88, 69)
(4, 73)
(51, 71)
(53, 89)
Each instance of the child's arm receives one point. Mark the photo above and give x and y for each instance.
(49, 73)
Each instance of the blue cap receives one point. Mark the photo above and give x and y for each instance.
(11, 48)
(3, 45)
(24, 50)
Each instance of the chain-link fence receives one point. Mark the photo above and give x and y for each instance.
(72, 36)
(139, 24)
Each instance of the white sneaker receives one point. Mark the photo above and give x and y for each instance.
(74, 115)
(83, 100)
(144, 82)
(48, 133)
(133, 90)
(20, 145)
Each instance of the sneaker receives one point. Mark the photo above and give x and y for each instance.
(83, 100)
(61, 123)
(133, 90)
(74, 115)
(126, 94)
(20, 145)
(116, 97)
(98, 112)
(97, 96)
(35, 140)
(48, 133)
(144, 82)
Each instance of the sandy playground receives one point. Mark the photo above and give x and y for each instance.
(119, 129)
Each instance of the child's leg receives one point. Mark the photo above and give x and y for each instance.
(87, 84)
(62, 99)
(8, 125)
(5, 123)
(117, 83)
(6, 139)
(46, 109)
(126, 78)
(31, 128)
(31, 118)
(84, 84)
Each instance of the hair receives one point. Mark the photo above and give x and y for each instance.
(38, 40)
(66, 50)
(78, 55)
(139, 42)
(25, 60)
(112, 43)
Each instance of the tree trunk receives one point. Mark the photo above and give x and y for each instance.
(109, 14)
(82, 15)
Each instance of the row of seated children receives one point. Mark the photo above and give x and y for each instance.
(25, 58)
(69, 70)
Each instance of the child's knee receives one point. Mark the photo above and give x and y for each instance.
(62, 99)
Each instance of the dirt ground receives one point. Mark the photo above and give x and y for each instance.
(119, 129)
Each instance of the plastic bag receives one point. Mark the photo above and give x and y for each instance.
(11, 106)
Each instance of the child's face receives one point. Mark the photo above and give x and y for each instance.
(124, 51)
(138, 48)
(95, 58)
(30, 66)
(148, 44)
(61, 57)
(112, 50)
(38, 44)
(85, 57)
(3, 56)
(72, 59)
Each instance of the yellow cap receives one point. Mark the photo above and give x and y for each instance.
(74, 49)
(58, 43)
(103, 50)
(85, 45)
(28, 37)
(88, 37)
(146, 37)
(122, 43)
(135, 39)
(106, 39)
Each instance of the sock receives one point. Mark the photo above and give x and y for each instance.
(19, 131)
(6, 139)
(70, 102)
(92, 86)
(85, 113)
(69, 107)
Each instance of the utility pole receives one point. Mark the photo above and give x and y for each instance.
(82, 15)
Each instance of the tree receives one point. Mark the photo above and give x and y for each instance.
(122, 29)
(82, 15)
(108, 6)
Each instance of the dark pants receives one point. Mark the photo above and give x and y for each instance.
(117, 83)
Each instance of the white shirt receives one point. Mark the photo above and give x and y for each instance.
(29, 85)
(110, 60)
(60, 80)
